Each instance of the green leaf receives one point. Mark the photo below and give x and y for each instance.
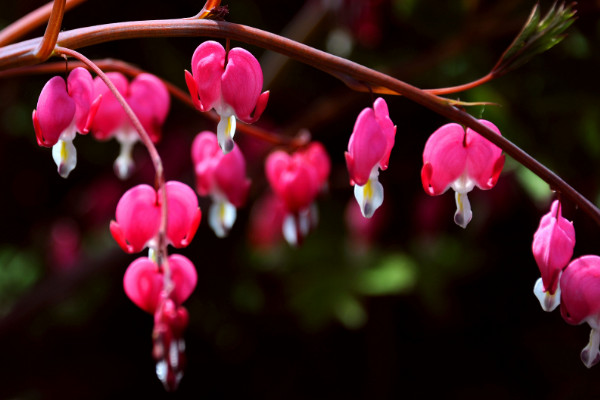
(396, 274)
(536, 36)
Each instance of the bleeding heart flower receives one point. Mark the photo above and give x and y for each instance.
(149, 99)
(552, 247)
(580, 301)
(62, 111)
(223, 177)
(230, 82)
(138, 217)
(144, 281)
(460, 159)
(296, 180)
(369, 151)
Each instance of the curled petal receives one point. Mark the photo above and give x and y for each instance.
(387, 127)
(485, 160)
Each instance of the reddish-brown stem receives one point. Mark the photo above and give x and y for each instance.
(44, 49)
(162, 258)
(343, 69)
(26, 24)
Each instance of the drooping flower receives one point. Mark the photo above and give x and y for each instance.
(231, 83)
(149, 99)
(266, 221)
(139, 212)
(580, 301)
(369, 151)
(144, 281)
(460, 159)
(62, 111)
(296, 180)
(144, 285)
(552, 247)
(223, 177)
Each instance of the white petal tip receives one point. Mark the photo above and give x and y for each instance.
(548, 301)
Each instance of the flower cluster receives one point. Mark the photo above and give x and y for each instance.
(296, 180)
(159, 284)
(85, 104)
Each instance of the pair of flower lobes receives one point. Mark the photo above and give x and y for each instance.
(296, 179)
(574, 285)
(137, 226)
(84, 104)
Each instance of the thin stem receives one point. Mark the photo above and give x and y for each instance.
(156, 160)
(29, 22)
(44, 50)
(343, 69)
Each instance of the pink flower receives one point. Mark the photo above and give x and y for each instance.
(580, 301)
(228, 82)
(62, 111)
(143, 281)
(138, 217)
(553, 244)
(149, 99)
(296, 180)
(459, 159)
(223, 177)
(369, 151)
(266, 221)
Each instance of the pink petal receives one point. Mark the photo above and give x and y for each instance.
(143, 283)
(366, 148)
(206, 154)
(149, 99)
(580, 286)
(444, 158)
(485, 160)
(387, 126)
(110, 115)
(241, 83)
(81, 86)
(208, 66)
(184, 213)
(137, 218)
(553, 245)
(55, 112)
(316, 155)
(230, 177)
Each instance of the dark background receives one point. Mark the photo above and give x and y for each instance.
(423, 309)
